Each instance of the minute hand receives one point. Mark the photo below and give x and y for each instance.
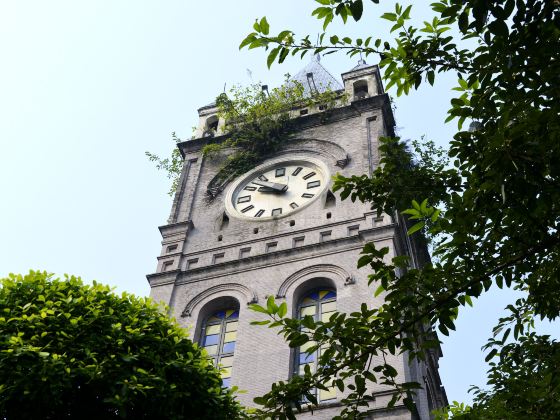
(272, 185)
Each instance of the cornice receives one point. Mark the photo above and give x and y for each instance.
(275, 258)
(292, 233)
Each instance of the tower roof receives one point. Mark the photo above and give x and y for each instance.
(313, 77)
(316, 77)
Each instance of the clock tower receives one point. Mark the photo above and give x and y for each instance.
(279, 230)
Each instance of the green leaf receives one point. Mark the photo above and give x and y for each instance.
(464, 21)
(364, 260)
(415, 228)
(257, 308)
(435, 215)
(327, 21)
(283, 54)
(356, 8)
(490, 355)
(499, 28)
(431, 76)
(282, 309)
(272, 56)
(300, 340)
(271, 305)
(389, 16)
(264, 26)
(412, 212)
(260, 322)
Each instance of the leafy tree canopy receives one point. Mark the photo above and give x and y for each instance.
(69, 350)
(493, 214)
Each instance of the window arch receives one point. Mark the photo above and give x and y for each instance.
(320, 304)
(361, 89)
(218, 337)
(211, 126)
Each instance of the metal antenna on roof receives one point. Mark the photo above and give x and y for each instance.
(316, 56)
(361, 61)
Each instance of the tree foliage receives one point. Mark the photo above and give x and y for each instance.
(172, 165)
(493, 216)
(69, 350)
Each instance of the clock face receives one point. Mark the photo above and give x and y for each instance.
(277, 189)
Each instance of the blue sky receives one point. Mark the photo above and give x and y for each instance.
(86, 87)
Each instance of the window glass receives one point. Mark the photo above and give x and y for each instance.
(321, 305)
(218, 339)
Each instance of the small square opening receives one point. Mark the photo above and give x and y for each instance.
(192, 263)
(297, 242)
(244, 252)
(353, 230)
(325, 236)
(271, 246)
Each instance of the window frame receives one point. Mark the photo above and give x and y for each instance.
(318, 305)
(223, 323)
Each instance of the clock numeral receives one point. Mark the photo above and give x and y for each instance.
(277, 212)
(294, 205)
(307, 195)
(246, 209)
(249, 188)
(259, 213)
(263, 178)
(280, 172)
(244, 199)
(297, 170)
(309, 175)
(313, 184)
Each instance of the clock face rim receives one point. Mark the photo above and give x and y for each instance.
(230, 208)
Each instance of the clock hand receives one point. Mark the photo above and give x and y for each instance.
(272, 185)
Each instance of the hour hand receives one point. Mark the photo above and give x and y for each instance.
(270, 186)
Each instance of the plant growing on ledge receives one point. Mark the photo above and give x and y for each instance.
(258, 122)
(257, 125)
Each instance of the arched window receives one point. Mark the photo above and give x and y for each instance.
(218, 338)
(211, 126)
(361, 89)
(330, 200)
(320, 304)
